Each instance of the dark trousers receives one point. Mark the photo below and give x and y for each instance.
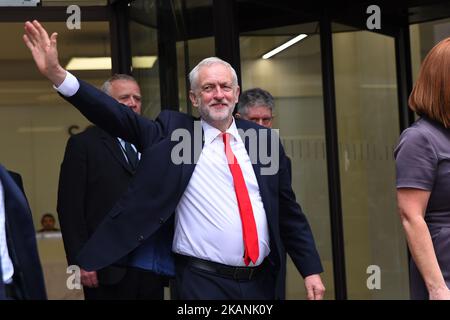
(13, 291)
(137, 284)
(193, 283)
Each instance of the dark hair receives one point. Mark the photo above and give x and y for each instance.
(47, 215)
(253, 97)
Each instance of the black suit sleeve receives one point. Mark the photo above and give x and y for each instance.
(295, 231)
(71, 198)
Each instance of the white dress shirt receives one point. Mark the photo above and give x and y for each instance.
(6, 263)
(207, 219)
(69, 86)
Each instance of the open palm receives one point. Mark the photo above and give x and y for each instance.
(44, 51)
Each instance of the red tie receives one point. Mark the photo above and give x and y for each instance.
(250, 234)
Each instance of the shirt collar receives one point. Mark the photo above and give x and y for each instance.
(212, 133)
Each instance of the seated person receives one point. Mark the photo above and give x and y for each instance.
(48, 223)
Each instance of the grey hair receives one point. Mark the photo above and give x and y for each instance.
(254, 97)
(193, 75)
(106, 87)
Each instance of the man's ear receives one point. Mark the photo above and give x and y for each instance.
(193, 98)
(238, 115)
(238, 91)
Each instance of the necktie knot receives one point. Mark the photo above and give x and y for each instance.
(228, 152)
(225, 137)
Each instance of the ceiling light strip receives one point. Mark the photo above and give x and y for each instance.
(284, 46)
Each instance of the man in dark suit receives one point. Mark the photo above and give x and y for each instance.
(21, 276)
(95, 172)
(214, 215)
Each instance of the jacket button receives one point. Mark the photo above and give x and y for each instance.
(161, 220)
(141, 238)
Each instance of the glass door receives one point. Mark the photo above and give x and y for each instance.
(294, 78)
(368, 129)
(174, 35)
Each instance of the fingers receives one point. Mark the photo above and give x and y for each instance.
(89, 282)
(315, 289)
(31, 31)
(29, 39)
(310, 293)
(36, 33)
(315, 293)
(89, 279)
(39, 28)
(31, 35)
(42, 33)
(28, 42)
(318, 292)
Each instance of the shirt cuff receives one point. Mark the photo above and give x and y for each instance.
(69, 86)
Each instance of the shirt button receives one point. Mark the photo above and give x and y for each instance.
(161, 220)
(141, 238)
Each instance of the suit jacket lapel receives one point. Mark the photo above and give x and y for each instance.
(22, 245)
(16, 205)
(112, 144)
(12, 192)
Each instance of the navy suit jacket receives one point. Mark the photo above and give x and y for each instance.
(144, 214)
(21, 241)
(93, 176)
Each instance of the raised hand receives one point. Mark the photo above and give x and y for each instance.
(44, 51)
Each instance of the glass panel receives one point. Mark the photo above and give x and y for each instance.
(192, 25)
(294, 78)
(423, 37)
(368, 129)
(195, 42)
(189, 54)
(144, 54)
